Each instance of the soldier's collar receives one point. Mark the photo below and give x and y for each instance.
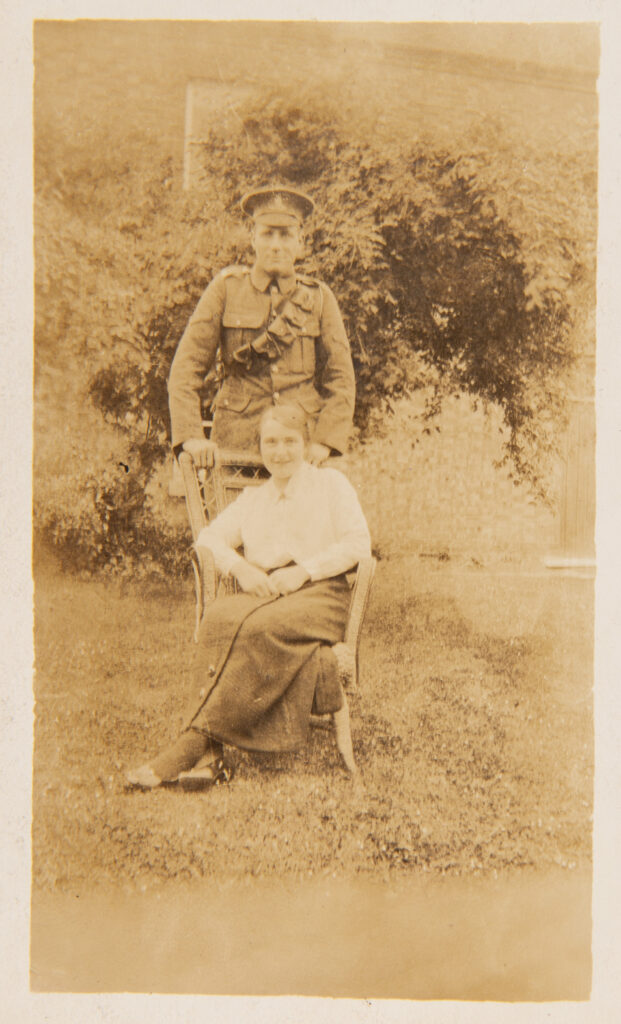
(261, 280)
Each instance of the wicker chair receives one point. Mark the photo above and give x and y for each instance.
(207, 492)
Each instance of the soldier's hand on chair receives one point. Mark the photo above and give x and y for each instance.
(289, 579)
(253, 580)
(317, 453)
(201, 450)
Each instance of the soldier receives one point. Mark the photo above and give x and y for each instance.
(280, 336)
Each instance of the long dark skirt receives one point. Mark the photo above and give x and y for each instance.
(262, 662)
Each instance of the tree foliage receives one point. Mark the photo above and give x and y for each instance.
(455, 272)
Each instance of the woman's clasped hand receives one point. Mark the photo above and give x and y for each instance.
(253, 580)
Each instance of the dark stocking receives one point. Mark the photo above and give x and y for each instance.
(182, 755)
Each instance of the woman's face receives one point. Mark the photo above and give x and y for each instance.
(282, 449)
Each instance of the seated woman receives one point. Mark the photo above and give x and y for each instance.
(264, 657)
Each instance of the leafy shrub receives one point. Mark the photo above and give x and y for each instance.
(101, 513)
(454, 271)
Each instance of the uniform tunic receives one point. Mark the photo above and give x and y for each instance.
(262, 661)
(284, 344)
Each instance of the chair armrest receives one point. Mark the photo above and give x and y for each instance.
(193, 498)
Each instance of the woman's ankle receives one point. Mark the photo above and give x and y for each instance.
(212, 755)
(180, 756)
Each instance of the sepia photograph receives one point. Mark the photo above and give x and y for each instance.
(314, 508)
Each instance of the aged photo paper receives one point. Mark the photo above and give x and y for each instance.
(458, 885)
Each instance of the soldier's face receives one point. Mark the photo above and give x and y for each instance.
(276, 248)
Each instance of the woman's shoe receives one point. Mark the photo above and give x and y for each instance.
(202, 776)
(142, 778)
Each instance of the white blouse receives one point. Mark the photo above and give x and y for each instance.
(316, 522)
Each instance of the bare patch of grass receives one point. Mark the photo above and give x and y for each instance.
(475, 742)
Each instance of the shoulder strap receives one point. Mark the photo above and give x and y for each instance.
(310, 282)
(235, 270)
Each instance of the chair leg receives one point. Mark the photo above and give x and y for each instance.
(198, 590)
(343, 735)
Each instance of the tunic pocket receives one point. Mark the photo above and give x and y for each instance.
(307, 397)
(233, 395)
(244, 318)
(240, 326)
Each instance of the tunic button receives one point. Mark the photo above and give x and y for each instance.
(201, 693)
(276, 396)
(212, 670)
(226, 401)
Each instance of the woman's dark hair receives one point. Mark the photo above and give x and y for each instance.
(291, 416)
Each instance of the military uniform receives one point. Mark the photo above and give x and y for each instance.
(281, 339)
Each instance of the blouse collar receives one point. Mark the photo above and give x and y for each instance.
(293, 484)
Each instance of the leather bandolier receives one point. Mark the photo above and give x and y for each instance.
(268, 347)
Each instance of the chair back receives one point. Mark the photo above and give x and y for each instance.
(232, 472)
(209, 491)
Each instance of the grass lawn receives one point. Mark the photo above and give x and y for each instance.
(473, 731)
